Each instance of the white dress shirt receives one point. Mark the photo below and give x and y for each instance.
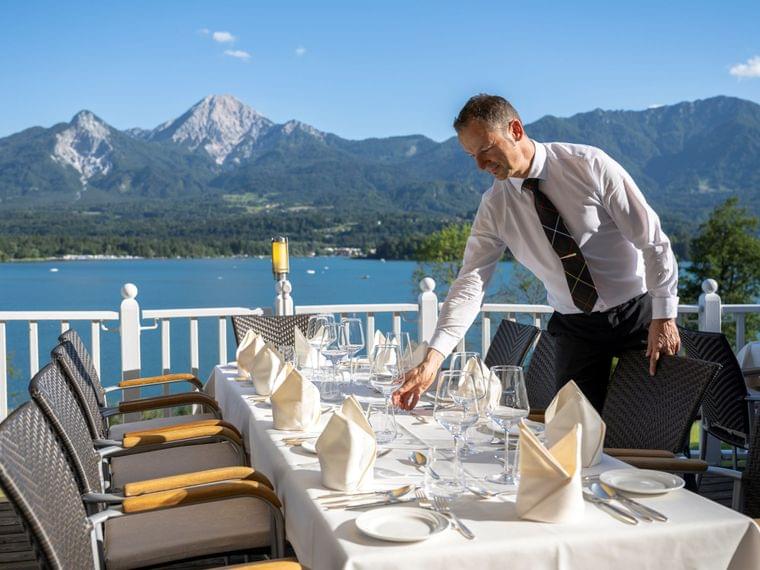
(618, 233)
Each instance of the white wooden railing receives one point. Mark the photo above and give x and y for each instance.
(130, 317)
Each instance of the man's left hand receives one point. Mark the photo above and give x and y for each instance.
(663, 339)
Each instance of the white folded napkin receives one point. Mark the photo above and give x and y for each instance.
(307, 356)
(269, 370)
(417, 354)
(550, 479)
(295, 403)
(570, 407)
(483, 377)
(379, 338)
(347, 449)
(248, 348)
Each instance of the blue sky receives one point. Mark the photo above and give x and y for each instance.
(362, 69)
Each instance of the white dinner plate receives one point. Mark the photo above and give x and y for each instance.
(401, 524)
(643, 481)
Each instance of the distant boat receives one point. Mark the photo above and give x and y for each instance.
(364, 277)
(310, 271)
(382, 260)
(53, 270)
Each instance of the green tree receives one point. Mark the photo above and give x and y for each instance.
(727, 249)
(439, 255)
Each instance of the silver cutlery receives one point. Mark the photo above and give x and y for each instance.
(597, 489)
(379, 503)
(420, 461)
(634, 505)
(419, 418)
(335, 500)
(610, 509)
(485, 493)
(441, 505)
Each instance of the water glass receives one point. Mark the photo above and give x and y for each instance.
(385, 376)
(443, 477)
(513, 405)
(383, 423)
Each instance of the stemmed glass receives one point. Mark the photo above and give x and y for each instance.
(456, 397)
(334, 351)
(513, 405)
(459, 361)
(385, 375)
(352, 341)
(317, 336)
(401, 339)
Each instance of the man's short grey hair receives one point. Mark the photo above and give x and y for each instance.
(493, 110)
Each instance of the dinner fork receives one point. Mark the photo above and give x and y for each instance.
(442, 506)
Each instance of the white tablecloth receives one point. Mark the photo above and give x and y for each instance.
(701, 534)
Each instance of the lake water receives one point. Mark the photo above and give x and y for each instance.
(186, 283)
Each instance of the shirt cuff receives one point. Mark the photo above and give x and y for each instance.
(443, 342)
(664, 307)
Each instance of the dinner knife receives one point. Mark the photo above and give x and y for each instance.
(610, 509)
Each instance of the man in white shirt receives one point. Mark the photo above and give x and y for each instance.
(576, 219)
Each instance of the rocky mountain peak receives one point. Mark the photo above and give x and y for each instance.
(85, 145)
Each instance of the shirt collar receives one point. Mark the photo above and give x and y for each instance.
(537, 165)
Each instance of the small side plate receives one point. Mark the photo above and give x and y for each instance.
(642, 481)
(401, 524)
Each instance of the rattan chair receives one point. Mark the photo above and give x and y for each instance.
(117, 466)
(725, 406)
(277, 329)
(161, 528)
(654, 412)
(540, 378)
(74, 360)
(511, 343)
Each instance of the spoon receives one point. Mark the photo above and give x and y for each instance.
(332, 501)
(599, 491)
(420, 461)
(485, 493)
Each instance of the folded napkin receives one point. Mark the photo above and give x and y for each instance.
(295, 403)
(570, 407)
(550, 479)
(483, 377)
(347, 448)
(248, 348)
(417, 354)
(269, 370)
(306, 355)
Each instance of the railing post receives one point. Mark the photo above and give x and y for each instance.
(709, 307)
(283, 302)
(129, 331)
(428, 310)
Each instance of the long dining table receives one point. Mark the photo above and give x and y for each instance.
(700, 533)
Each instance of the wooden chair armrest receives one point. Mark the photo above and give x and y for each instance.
(280, 564)
(674, 465)
(179, 497)
(198, 478)
(170, 401)
(162, 379)
(630, 452)
(197, 423)
(179, 434)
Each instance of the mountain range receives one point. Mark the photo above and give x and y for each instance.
(685, 157)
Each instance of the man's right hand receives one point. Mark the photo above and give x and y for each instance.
(417, 380)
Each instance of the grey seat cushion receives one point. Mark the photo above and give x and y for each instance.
(144, 539)
(171, 461)
(117, 431)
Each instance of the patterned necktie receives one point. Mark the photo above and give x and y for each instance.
(582, 288)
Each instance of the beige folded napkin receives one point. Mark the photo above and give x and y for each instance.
(306, 355)
(550, 487)
(347, 448)
(484, 379)
(248, 348)
(269, 370)
(417, 354)
(295, 403)
(570, 407)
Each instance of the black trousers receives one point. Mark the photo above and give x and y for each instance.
(586, 344)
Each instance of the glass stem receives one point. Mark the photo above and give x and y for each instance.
(457, 464)
(507, 470)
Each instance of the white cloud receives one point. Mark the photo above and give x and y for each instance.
(300, 51)
(223, 37)
(204, 31)
(238, 54)
(749, 69)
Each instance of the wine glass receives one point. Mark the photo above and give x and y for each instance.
(456, 409)
(385, 375)
(317, 337)
(461, 361)
(353, 341)
(401, 339)
(334, 351)
(513, 405)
